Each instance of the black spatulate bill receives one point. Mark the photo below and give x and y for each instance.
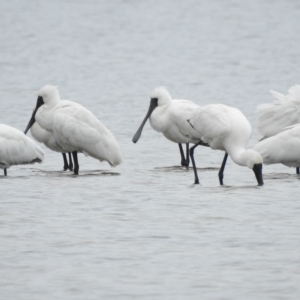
(257, 169)
(153, 105)
(39, 103)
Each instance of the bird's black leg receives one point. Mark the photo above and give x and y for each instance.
(76, 165)
(5, 172)
(221, 172)
(66, 166)
(187, 162)
(193, 162)
(297, 170)
(70, 162)
(182, 155)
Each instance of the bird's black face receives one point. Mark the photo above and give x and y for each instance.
(39, 103)
(257, 169)
(154, 101)
(153, 105)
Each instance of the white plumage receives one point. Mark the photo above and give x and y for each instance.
(283, 148)
(276, 117)
(16, 148)
(74, 128)
(225, 128)
(283, 112)
(169, 116)
(46, 137)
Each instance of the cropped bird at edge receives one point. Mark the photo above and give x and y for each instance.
(225, 128)
(169, 116)
(74, 128)
(275, 117)
(17, 149)
(282, 148)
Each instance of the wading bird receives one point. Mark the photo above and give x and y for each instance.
(274, 117)
(169, 116)
(225, 128)
(74, 128)
(47, 138)
(17, 149)
(282, 148)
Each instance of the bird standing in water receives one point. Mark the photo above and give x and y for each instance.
(17, 149)
(74, 128)
(169, 116)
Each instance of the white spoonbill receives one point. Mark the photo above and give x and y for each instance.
(282, 148)
(169, 116)
(75, 129)
(46, 137)
(283, 112)
(17, 149)
(225, 128)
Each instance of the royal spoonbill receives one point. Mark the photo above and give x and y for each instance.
(282, 148)
(225, 128)
(17, 149)
(75, 129)
(47, 138)
(169, 116)
(276, 116)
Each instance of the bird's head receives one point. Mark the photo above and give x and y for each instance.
(158, 97)
(254, 161)
(49, 95)
(162, 95)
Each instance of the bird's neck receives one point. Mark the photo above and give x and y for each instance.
(245, 157)
(237, 155)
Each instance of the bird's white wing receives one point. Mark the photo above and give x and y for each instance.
(43, 136)
(39, 134)
(210, 122)
(292, 126)
(277, 95)
(281, 148)
(179, 116)
(76, 126)
(294, 93)
(284, 111)
(16, 148)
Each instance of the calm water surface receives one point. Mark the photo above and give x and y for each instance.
(143, 230)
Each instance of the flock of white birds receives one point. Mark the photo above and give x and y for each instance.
(69, 128)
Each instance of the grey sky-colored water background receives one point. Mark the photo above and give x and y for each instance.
(143, 230)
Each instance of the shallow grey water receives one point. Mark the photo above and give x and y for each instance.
(143, 230)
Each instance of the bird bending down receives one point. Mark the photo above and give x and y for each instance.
(282, 148)
(169, 116)
(17, 149)
(74, 128)
(283, 112)
(225, 128)
(47, 138)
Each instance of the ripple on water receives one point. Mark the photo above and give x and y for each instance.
(173, 169)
